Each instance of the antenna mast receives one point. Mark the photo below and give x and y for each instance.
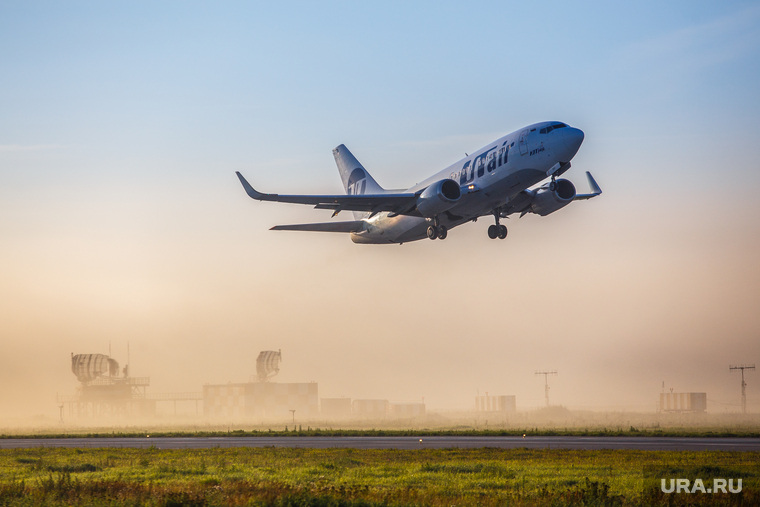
(742, 367)
(546, 382)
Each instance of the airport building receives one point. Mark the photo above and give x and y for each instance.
(370, 409)
(105, 390)
(407, 410)
(503, 403)
(261, 399)
(336, 408)
(683, 402)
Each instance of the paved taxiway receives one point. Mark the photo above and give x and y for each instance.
(436, 442)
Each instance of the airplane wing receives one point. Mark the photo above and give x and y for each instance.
(524, 201)
(400, 204)
(352, 226)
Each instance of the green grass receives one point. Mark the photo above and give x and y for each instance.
(291, 476)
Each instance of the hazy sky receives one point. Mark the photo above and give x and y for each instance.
(122, 221)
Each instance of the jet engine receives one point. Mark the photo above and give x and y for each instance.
(438, 197)
(552, 196)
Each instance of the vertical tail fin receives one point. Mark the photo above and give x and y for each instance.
(356, 179)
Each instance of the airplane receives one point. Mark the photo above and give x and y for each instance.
(496, 180)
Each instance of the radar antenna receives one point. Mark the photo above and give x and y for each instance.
(268, 364)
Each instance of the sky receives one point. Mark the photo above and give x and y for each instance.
(123, 227)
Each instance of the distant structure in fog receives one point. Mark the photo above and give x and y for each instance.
(336, 408)
(742, 367)
(546, 382)
(505, 404)
(409, 409)
(106, 391)
(90, 367)
(344, 408)
(370, 409)
(262, 398)
(267, 400)
(683, 402)
(268, 364)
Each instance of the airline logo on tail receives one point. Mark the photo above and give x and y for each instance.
(357, 182)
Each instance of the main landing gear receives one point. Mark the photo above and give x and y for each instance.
(437, 231)
(497, 230)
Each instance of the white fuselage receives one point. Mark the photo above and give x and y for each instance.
(489, 179)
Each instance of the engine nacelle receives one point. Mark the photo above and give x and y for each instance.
(438, 197)
(547, 201)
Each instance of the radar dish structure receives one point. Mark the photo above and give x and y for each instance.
(90, 367)
(268, 364)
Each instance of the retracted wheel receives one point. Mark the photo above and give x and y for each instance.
(442, 232)
(432, 232)
(502, 231)
(493, 231)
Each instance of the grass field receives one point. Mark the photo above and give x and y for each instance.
(285, 476)
(300, 431)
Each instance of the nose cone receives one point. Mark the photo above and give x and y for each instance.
(573, 138)
(577, 134)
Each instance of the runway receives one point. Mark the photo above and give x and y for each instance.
(432, 442)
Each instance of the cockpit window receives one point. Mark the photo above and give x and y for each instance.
(551, 127)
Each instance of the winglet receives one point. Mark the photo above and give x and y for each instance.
(595, 188)
(593, 184)
(249, 189)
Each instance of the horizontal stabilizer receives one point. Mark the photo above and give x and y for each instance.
(353, 226)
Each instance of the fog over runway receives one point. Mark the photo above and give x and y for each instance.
(432, 442)
(125, 232)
